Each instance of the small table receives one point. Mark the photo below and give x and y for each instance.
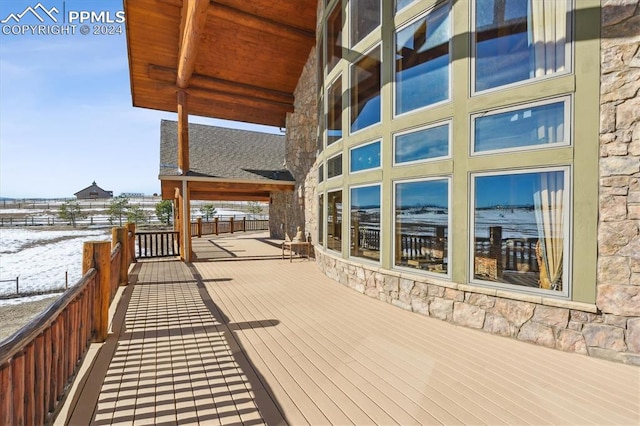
(291, 244)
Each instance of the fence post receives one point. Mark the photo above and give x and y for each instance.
(132, 243)
(231, 222)
(215, 224)
(17, 285)
(199, 227)
(97, 254)
(495, 248)
(120, 235)
(244, 224)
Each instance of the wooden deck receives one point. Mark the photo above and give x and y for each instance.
(244, 337)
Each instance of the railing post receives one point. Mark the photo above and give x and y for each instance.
(231, 224)
(121, 235)
(495, 248)
(215, 224)
(97, 254)
(199, 227)
(131, 227)
(244, 224)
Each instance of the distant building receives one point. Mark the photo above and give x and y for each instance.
(93, 192)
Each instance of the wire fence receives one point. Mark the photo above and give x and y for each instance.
(10, 288)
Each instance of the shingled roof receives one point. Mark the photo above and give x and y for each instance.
(218, 152)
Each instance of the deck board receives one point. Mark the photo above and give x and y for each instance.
(248, 338)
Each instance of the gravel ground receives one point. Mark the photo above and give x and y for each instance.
(14, 317)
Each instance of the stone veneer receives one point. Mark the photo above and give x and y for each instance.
(287, 210)
(611, 328)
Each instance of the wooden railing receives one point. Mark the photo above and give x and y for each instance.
(225, 226)
(158, 244)
(39, 362)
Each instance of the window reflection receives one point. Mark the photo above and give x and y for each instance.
(424, 144)
(365, 17)
(538, 125)
(519, 229)
(422, 225)
(334, 220)
(321, 219)
(365, 91)
(365, 222)
(334, 37)
(517, 40)
(365, 157)
(334, 116)
(334, 166)
(422, 61)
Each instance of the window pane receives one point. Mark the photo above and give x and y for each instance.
(538, 125)
(334, 116)
(365, 91)
(422, 145)
(400, 4)
(422, 61)
(334, 220)
(365, 17)
(334, 37)
(519, 229)
(518, 40)
(321, 219)
(321, 125)
(365, 157)
(334, 166)
(321, 173)
(422, 225)
(365, 222)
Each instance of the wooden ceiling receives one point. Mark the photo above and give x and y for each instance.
(237, 59)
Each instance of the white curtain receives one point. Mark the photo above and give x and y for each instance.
(548, 35)
(549, 210)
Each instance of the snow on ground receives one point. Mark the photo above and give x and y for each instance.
(40, 258)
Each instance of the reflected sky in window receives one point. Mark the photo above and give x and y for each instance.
(422, 144)
(365, 157)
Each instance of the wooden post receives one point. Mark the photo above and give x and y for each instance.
(215, 224)
(183, 133)
(97, 254)
(244, 224)
(231, 222)
(199, 227)
(131, 227)
(121, 235)
(495, 248)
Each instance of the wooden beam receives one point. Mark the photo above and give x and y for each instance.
(210, 196)
(183, 133)
(198, 81)
(194, 15)
(259, 23)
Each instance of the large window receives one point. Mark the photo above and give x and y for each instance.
(429, 143)
(536, 125)
(422, 225)
(334, 37)
(401, 4)
(365, 91)
(422, 61)
(334, 221)
(334, 112)
(334, 166)
(365, 222)
(365, 17)
(517, 40)
(521, 229)
(365, 157)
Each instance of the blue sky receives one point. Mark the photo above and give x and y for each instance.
(66, 117)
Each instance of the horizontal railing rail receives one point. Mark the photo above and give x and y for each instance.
(225, 226)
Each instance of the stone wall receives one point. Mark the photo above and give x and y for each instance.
(619, 228)
(287, 210)
(611, 328)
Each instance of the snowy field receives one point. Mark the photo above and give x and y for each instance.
(40, 258)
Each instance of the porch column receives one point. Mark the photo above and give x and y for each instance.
(185, 243)
(183, 133)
